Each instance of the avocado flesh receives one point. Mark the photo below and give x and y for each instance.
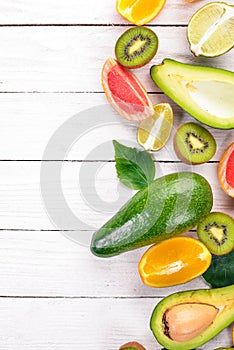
(220, 298)
(204, 92)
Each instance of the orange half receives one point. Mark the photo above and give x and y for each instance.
(174, 261)
(139, 12)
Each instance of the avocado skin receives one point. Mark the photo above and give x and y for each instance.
(168, 207)
(221, 298)
(171, 76)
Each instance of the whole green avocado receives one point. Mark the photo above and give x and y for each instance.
(169, 206)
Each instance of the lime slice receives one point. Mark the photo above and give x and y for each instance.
(211, 30)
(154, 132)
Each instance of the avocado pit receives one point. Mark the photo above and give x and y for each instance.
(183, 322)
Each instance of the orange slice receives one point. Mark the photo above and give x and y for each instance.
(125, 93)
(139, 12)
(174, 261)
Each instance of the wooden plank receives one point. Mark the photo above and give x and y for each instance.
(101, 196)
(71, 58)
(48, 264)
(72, 11)
(41, 324)
(28, 122)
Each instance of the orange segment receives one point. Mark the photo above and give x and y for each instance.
(174, 261)
(139, 12)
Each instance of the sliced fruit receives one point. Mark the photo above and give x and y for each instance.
(226, 171)
(216, 231)
(186, 320)
(139, 12)
(125, 93)
(132, 346)
(204, 92)
(210, 30)
(221, 271)
(154, 132)
(174, 261)
(194, 144)
(136, 47)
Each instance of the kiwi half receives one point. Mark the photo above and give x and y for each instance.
(136, 47)
(216, 231)
(194, 144)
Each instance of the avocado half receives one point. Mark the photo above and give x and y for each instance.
(204, 92)
(220, 299)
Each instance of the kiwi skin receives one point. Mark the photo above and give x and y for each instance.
(220, 219)
(199, 128)
(132, 31)
(134, 345)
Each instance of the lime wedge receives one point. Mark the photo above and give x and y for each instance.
(211, 30)
(154, 132)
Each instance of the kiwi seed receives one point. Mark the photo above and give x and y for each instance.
(194, 144)
(136, 47)
(216, 231)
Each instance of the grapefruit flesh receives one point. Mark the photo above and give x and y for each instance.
(226, 171)
(125, 92)
(230, 170)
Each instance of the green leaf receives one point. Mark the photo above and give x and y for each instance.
(135, 168)
(221, 271)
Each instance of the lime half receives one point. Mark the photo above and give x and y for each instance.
(211, 30)
(154, 132)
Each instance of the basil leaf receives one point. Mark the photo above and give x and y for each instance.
(135, 168)
(221, 271)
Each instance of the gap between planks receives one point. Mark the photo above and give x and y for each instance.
(80, 297)
(89, 25)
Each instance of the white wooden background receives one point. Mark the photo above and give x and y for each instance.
(53, 293)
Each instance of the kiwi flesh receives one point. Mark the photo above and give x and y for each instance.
(136, 47)
(194, 144)
(216, 231)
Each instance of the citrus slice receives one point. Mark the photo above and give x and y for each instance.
(154, 132)
(226, 171)
(174, 261)
(211, 30)
(139, 12)
(125, 93)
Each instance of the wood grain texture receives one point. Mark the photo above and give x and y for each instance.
(30, 120)
(73, 11)
(93, 196)
(67, 59)
(63, 324)
(52, 265)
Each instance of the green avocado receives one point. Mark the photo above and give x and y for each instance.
(186, 320)
(204, 92)
(169, 206)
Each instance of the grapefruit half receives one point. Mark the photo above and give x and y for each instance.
(226, 171)
(125, 93)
